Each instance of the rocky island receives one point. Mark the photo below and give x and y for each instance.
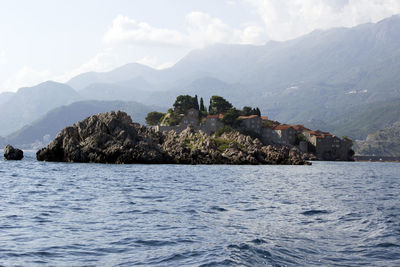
(113, 138)
(11, 153)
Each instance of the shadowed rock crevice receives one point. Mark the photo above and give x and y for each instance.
(113, 138)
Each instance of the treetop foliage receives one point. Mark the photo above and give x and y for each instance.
(218, 105)
(154, 118)
(185, 102)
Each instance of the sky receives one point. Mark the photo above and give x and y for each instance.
(58, 39)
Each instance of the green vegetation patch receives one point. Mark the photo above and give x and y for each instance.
(224, 129)
(223, 144)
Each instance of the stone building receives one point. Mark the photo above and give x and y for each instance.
(252, 123)
(280, 134)
(286, 133)
(269, 136)
(191, 118)
(212, 123)
(327, 146)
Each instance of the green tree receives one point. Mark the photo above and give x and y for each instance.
(246, 111)
(196, 102)
(231, 117)
(218, 105)
(154, 117)
(258, 112)
(202, 107)
(185, 102)
(171, 118)
(224, 129)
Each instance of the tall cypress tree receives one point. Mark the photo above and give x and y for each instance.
(196, 102)
(202, 108)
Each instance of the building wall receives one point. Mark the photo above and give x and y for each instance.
(303, 146)
(288, 137)
(270, 136)
(282, 137)
(253, 124)
(332, 148)
(211, 125)
(190, 120)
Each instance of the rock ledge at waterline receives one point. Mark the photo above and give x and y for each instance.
(112, 137)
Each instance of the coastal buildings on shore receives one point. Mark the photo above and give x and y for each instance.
(323, 145)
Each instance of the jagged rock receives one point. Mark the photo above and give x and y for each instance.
(11, 153)
(113, 138)
(105, 138)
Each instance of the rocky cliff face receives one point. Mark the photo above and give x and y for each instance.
(385, 142)
(113, 138)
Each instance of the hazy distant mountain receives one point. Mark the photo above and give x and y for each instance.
(203, 87)
(30, 103)
(3, 142)
(46, 128)
(118, 75)
(4, 97)
(109, 91)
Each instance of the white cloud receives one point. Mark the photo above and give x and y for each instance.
(103, 61)
(2, 56)
(204, 30)
(124, 29)
(165, 65)
(148, 61)
(154, 63)
(289, 19)
(201, 29)
(26, 76)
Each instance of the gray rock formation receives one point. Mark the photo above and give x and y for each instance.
(113, 138)
(11, 153)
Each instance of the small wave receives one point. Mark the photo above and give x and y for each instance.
(41, 254)
(387, 245)
(250, 209)
(175, 257)
(314, 212)
(218, 208)
(258, 241)
(129, 211)
(155, 243)
(226, 262)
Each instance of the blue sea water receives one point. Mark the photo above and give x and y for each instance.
(327, 214)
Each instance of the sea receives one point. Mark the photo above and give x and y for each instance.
(327, 214)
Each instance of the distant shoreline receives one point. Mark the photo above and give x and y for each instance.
(376, 158)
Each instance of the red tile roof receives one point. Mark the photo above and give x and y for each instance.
(248, 117)
(212, 116)
(219, 116)
(312, 132)
(282, 127)
(300, 127)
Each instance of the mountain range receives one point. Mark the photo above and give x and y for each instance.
(343, 80)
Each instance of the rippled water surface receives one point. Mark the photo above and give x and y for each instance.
(330, 213)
